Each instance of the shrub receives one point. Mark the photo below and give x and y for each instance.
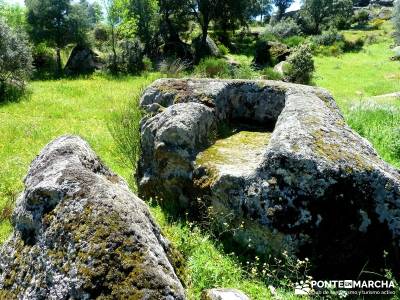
(396, 21)
(377, 24)
(131, 58)
(271, 74)
(285, 28)
(223, 49)
(174, 68)
(300, 65)
(244, 72)
(353, 46)
(294, 41)
(15, 62)
(328, 38)
(100, 33)
(44, 61)
(213, 67)
(361, 17)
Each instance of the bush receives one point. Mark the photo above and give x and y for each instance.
(361, 17)
(131, 58)
(44, 61)
(285, 28)
(100, 33)
(211, 67)
(328, 38)
(294, 41)
(396, 21)
(300, 65)
(353, 46)
(223, 49)
(377, 24)
(174, 68)
(271, 74)
(244, 72)
(15, 62)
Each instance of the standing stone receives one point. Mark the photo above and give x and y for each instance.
(80, 233)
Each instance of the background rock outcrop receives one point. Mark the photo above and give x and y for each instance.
(79, 233)
(316, 188)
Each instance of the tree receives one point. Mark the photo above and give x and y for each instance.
(14, 15)
(145, 14)
(204, 12)
(232, 14)
(396, 21)
(15, 59)
(174, 21)
(113, 18)
(56, 22)
(320, 12)
(282, 6)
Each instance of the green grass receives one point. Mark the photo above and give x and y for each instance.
(86, 107)
(353, 79)
(54, 108)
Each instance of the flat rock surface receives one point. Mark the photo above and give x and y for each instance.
(235, 155)
(80, 233)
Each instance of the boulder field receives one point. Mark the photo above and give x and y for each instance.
(274, 165)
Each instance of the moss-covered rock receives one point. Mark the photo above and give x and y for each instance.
(311, 186)
(81, 234)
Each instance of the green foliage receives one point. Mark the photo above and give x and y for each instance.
(294, 41)
(396, 21)
(15, 62)
(44, 61)
(244, 72)
(270, 74)
(223, 49)
(144, 14)
(317, 13)
(300, 65)
(285, 28)
(377, 24)
(328, 38)
(14, 15)
(58, 23)
(211, 67)
(282, 6)
(361, 17)
(131, 57)
(174, 68)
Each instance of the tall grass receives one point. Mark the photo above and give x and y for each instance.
(124, 126)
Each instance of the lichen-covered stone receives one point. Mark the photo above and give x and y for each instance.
(316, 188)
(80, 233)
(223, 294)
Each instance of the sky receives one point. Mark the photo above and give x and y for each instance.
(295, 6)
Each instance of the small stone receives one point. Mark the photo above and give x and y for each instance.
(223, 294)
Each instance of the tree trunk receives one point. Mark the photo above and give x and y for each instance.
(58, 59)
(2, 90)
(114, 68)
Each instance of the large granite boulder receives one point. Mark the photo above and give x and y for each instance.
(82, 60)
(291, 175)
(79, 233)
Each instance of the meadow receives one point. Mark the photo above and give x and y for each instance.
(85, 107)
